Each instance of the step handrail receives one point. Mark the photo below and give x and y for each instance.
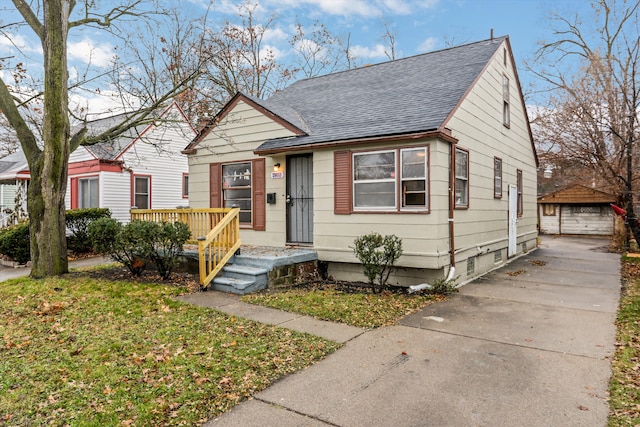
(220, 244)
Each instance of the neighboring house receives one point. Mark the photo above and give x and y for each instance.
(378, 148)
(143, 167)
(576, 209)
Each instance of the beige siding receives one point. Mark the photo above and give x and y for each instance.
(478, 125)
(234, 139)
(424, 239)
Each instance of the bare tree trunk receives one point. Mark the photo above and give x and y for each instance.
(48, 168)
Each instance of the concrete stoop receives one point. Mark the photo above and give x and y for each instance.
(258, 267)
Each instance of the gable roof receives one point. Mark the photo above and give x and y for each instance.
(109, 150)
(406, 96)
(13, 164)
(577, 194)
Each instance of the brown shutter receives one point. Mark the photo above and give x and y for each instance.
(342, 182)
(215, 201)
(74, 193)
(258, 187)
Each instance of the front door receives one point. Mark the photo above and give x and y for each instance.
(300, 199)
(513, 221)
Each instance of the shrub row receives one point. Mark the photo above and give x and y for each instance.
(15, 240)
(140, 242)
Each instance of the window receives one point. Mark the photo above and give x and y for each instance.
(506, 115)
(548, 209)
(185, 185)
(141, 192)
(519, 185)
(374, 180)
(462, 178)
(377, 180)
(88, 193)
(247, 191)
(414, 178)
(236, 189)
(497, 177)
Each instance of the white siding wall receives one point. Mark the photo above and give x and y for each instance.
(549, 224)
(155, 154)
(240, 132)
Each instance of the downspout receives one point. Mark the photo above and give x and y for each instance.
(450, 220)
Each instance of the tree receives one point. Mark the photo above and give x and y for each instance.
(48, 154)
(592, 117)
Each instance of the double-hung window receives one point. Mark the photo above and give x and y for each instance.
(141, 191)
(391, 180)
(497, 177)
(236, 189)
(88, 193)
(462, 178)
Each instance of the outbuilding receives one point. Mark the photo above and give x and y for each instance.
(576, 210)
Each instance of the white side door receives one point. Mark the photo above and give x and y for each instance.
(513, 221)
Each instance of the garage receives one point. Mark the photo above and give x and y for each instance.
(577, 210)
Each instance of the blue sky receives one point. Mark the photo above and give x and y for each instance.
(419, 26)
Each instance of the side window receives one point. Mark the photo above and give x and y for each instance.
(141, 192)
(462, 178)
(497, 177)
(506, 113)
(185, 185)
(519, 185)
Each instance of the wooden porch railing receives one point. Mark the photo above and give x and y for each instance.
(219, 246)
(200, 221)
(216, 230)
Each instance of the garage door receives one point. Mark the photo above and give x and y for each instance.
(591, 220)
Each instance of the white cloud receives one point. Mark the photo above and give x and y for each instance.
(364, 52)
(87, 51)
(335, 7)
(10, 42)
(275, 35)
(428, 45)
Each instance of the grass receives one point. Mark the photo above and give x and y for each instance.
(84, 351)
(624, 387)
(362, 309)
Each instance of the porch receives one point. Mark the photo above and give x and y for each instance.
(215, 250)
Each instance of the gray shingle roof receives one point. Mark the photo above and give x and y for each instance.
(408, 95)
(109, 150)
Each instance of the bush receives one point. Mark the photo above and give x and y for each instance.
(377, 254)
(78, 221)
(15, 242)
(139, 242)
(125, 244)
(168, 243)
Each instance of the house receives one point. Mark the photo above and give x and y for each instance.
(434, 148)
(576, 209)
(143, 167)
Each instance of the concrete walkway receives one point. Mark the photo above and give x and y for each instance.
(526, 345)
(7, 273)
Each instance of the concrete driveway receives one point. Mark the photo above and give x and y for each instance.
(526, 345)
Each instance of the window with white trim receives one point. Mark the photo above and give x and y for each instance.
(391, 180)
(88, 193)
(462, 178)
(141, 192)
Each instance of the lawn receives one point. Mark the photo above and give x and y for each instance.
(351, 305)
(82, 350)
(624, 387)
